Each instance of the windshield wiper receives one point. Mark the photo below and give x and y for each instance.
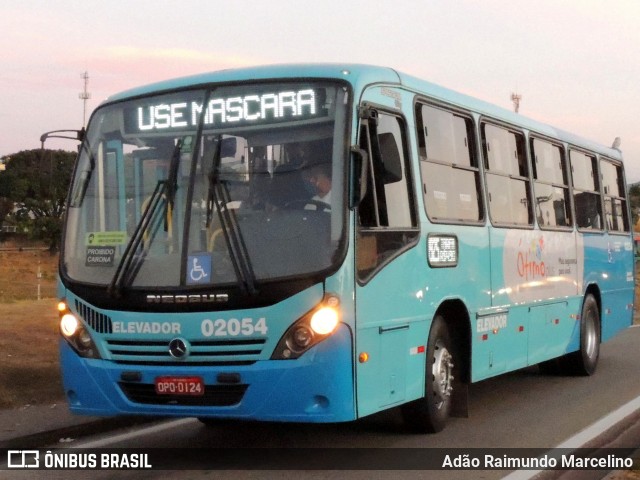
(172, 183)
(115, 287)
(165, 190)
(218, 196)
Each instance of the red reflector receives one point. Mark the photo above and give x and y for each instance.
(556, 321)
(485, 337)
(521, 328)
(421, 349)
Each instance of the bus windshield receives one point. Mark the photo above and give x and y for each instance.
(233, 185)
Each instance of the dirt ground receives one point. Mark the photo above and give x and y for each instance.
(29, 353)
(29, 371)
(23, 273)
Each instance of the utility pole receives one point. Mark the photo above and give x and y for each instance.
(84, 96)
(515, 98)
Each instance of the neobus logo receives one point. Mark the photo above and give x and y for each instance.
(197, 298)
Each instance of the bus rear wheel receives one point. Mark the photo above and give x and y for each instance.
(585, 360)
(431, 413)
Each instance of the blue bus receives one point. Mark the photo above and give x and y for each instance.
(318, 243)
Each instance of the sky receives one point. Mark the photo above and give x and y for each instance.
(576, 63)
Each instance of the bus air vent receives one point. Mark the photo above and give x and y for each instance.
(99, 322)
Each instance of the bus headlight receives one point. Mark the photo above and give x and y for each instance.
(76, 335)
(69, 324)
(325, 320)
(309, 330)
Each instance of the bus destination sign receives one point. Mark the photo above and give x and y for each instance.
(249, 109)
(442, 250)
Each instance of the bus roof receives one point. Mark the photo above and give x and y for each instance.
(361, 76)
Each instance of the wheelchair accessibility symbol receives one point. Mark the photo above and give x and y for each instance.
(199, 269)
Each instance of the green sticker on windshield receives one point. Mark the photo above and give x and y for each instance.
(106, 238)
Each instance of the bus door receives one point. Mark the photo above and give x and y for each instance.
(386, 274)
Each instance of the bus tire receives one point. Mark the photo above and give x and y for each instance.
(431, 413)
(585, 360)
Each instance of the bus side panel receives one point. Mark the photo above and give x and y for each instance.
(468, 282)
(617, 311)
(608, 264)
(395, 309)
(391, 325)
(536, 279)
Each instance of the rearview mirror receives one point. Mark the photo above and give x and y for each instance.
(79, 135)
(359, 171)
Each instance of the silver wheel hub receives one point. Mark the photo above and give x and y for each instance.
(442, 374)
(591, 338)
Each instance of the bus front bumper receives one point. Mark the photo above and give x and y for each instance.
(317, 387)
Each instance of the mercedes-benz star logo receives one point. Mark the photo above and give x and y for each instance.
(178, 348)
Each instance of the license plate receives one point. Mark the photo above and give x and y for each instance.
(179, 386)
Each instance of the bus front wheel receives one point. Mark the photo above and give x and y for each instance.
(430, 413)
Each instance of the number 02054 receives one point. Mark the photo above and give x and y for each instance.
(179, 386)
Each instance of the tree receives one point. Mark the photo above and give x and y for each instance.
(36, 183)
(634, 201)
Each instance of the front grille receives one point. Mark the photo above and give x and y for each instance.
(214, 395)
(201, 352)
(99, 322)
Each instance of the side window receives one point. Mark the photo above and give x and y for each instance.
(586, 191)
(448, 165)
(386, 215)
(551, 186)
(507, 176)
(615, 204)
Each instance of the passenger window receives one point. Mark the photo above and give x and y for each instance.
(553, 205)
(386, 215)
(615, 204)
(586, 191)
(507, 176)
(448, 165)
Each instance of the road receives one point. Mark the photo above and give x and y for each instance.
(524, 409)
